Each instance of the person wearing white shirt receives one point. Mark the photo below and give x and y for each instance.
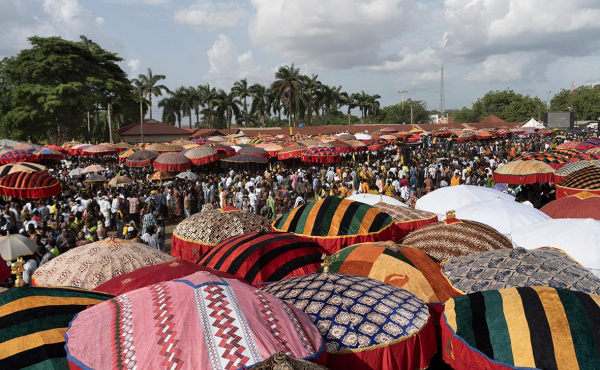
(28, 269)
(105, 209)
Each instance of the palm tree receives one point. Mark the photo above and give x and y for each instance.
(139, 86)
(240, 89)
(287, 87)
(151, 87)
(208, 99)
(350, 101)
(372, 106)
(186, 94)
(195, 101)
(275, 105)
(260, 102)
(311, 86)
(362, 100)
(228, 105)
(171, 110)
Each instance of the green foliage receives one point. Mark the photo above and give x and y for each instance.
(393, 114)
(505, 104)
(585, 101)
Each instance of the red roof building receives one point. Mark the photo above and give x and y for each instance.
(154, 132)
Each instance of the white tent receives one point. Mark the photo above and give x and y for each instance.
(533, 123)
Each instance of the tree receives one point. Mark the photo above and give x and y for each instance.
(173, 107)
(260, 102)
(311, 86)
(348, 100)
(393, 114)
(228, 106)
(55, 83)
(151, 86)
(372, 106)
(287, 87)
(208, 98)
(585, 101)
(240, 89)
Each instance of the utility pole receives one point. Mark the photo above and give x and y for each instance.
(411, 117)
(88, 116)
(109, 119)
(141, 117)
(403, 92)
(442, 95)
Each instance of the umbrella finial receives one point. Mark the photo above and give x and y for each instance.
(17, 269)
(451, 214)
(326, 262)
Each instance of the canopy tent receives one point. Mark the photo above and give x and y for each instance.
(533, 123)
(335, 223)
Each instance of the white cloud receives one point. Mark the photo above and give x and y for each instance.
(100, 21)
(208, 16)
(330, 34)
(134, 67)
(507, 67)
(228, 65)
(141, 2)
(425, 60)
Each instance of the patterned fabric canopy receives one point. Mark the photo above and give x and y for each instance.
(573, 167)
(260, 152)
(21, 167)
(227, 150)
(588, 144)
(172, 162)
(280, 361)
(127, 153)
(341, 146)
(366, 324)
(141, 158)
(198, 322)
(399, 265)
(161, 175)
(99, 150)
(466, 136)
(46, 154)
(93, 264)
(553, 160)
(375, 145)
(593, 150)
(32, 324)
(452, 237)
(165, 148)
(580, 205)
(336, 223)
(586, 179)
(293, 151)
(197, 234)
(524, 172)
(29, 185)
(406, 219)
(346, 136)
(483, 135)
(533, 327)
(320, 154)
(14, 156)
(265, 257)
(202, 155)
(519, 267)
(568, 145)
(150, 275)
(566, 153)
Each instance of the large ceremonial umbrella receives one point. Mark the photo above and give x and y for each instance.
(201, 321)
(519, 267)
(33, 321)
(197, 234)
(573, 167)
(165, 148)
(265, 256)
(161, 175)
(399, 265)
(46, 154)
(320, 155)
(120, 181)
(524, 172)
(15, 246)
(280, 361)
(586, 179)
(188, 175)
(99, 150)
(578, 237)
(336, 223)
(92, 169)
(406, 219)
(21, 167)
(553, 160)
(122, 146)
(260, 152)
(522, 328)
(76, 172)
(452, 237)
(466, 136)
(363, 137)
(503, 215)
(16, 155)
(566, 153)
(202, 155)
(93, 264)
(150, 275)
(357, 146)
(449, 198)
(374, 145)
(292, 151)
(245, 159)
(580, 205)
(589, 144)
(141, 158)
(127, 153)
(172, 162)
(372, 199)
(78, 149)
(9, 142)
(483, 135)
(29, 185)
(95, 178)
(341, 146)
(568, 145)
(225, 150)
(365, 323)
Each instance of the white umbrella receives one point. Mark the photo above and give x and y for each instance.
(236, 148)
(76, 172)
(450, 198)
(372, 199)
(15, 246)
(188, 175)
(580, 238)
(362, 137)
(503, 215)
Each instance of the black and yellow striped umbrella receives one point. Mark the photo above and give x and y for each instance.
(33, 321)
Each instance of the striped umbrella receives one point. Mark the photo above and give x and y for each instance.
(141, 158)
(265, 256)
(335, 223)
(532, 327)
(580, 205)
(33, 321)
(586, 179)
(365, 323)
(573, 167)
(524, 172)
(21, 167)
(172, 162)
(589, 144)
(99, 150)
(320, 155)
(34, 185)
(202, 155)
(568, 145)
(15, 155)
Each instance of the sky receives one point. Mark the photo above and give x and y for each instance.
(379, 46)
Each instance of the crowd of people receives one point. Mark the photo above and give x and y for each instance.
(141, 211)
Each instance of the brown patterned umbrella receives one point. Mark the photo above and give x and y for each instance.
(280, 361)
(161, 175)
(99, 150)
(406, 219)
(202, 155)
(91, 265)
(165, 148)
(586, 179)
(357, 145)
(172, 162)
(93, 168)
(524, 172)
(452, 237)
(141, 158)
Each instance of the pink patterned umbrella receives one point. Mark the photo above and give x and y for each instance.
(198, 322)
